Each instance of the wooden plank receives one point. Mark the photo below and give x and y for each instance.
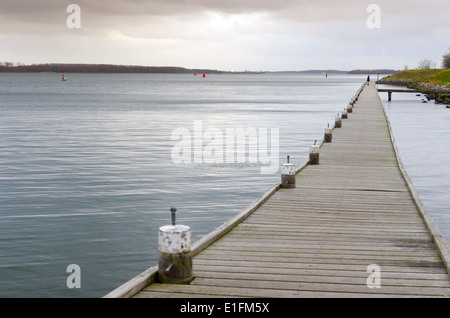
(328, 266)
(389, 278)
(280, 260)
(220, 291)
(322, 287)
(317, 249)
(288, 256)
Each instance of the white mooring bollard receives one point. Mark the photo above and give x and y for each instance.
(288, 175)
(314, 154)
(175, 259)
(328, 134)
(338, 121)
(344, 114)
(349, 108)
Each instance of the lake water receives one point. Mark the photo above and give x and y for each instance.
(422, 134)
(87, 169)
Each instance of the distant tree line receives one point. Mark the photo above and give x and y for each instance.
(96, 68)
(375, 71)
(446, 60)
(425, 64)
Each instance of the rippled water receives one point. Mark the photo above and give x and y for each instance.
(86, 169)
(87, 174)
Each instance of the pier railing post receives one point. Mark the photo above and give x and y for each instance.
(175, 259)
(338, 121)
(288, 175)
(349, 108)
(344, 114)
(328, 134)
(314, 154)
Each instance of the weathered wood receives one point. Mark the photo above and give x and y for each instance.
(321, 287)
(396, 90)
(361, 268)
(219, 291)
(356, 208)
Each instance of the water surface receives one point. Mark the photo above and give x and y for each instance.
(87, 177)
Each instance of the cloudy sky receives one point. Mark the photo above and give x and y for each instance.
(232, 35)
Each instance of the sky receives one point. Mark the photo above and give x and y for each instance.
(228, 35)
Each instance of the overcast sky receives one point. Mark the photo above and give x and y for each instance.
(232, 35)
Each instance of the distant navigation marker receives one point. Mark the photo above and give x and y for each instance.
(63, 78)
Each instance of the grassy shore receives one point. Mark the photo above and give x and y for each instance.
(436, 83)
(435, 77)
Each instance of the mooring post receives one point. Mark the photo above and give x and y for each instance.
(344, 114)
(338, 121)
(349, 108)
(175, 259)
(314, 154)
(288, 175)
(328, 134)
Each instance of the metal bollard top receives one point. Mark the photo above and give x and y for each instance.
(173, 210)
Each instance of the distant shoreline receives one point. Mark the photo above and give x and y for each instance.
(136, 69)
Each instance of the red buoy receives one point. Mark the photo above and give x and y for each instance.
(204, 75)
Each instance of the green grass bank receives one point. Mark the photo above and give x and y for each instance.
(435, 77)
(435, 82)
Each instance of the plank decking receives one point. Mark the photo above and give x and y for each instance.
(352, 210)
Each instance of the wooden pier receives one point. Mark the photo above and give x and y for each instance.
(354, 211)
(393, 90)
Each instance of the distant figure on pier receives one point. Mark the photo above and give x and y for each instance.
(368, 79)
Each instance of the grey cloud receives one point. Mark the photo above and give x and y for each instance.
(47, 11)
(290, 25)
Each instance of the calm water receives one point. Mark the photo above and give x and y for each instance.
(422, 134)
(87, 173)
